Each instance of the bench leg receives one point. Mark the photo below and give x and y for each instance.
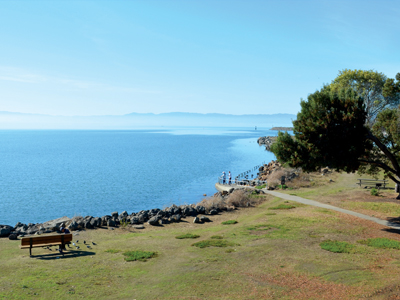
(30, 251)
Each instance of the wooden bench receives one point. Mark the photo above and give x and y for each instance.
(45, 240)
(372, 182)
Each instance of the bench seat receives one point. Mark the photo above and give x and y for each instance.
(45, 240)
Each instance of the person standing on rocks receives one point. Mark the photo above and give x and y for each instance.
(229, 177)
(223, 177)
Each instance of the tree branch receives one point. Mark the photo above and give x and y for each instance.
(385, 150)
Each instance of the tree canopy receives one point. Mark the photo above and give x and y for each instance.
(377, 91)
(332, 130)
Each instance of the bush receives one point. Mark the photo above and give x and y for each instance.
(381, 243)
(374, 192)
(187, 236)
(230, 222)
(138, 255)
(337, 247)
(112, 251)
(261, 186)
(238, 198)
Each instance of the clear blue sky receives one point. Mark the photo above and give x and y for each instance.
(236, 57)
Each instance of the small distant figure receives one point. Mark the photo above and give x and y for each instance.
(229, 178)
(65, 231)
(223, 177)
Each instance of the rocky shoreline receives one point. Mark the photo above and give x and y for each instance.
(154, 217)
(267, 141)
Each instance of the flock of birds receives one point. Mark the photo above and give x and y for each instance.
(87, 244)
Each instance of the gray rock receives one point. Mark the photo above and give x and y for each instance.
(55, 224)
(5, 230)
(13, 236)
(204, 219)
(200, 209)
(175, 218)
(123, 215)
(73, 226)
(213, 212)
(114, 215)
(153, 221)
(135, 220)
(110, 223)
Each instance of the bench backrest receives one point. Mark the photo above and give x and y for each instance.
(46, 239)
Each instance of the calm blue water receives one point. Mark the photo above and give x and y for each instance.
(47, 174)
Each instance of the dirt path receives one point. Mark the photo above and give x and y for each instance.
(327, 206)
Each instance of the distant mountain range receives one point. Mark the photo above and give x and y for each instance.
(15, 120)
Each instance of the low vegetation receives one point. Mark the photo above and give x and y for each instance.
(283, 206)
(138, 255)
(187, 236)
(229, 222)
(381, 243)
(337, 246)
(213, 243)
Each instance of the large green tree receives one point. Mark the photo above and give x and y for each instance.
(331, 130)
(377, 91)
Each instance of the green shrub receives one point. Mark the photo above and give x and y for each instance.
(213, 243)
(261, 186)
(138, 255)
(381, 243)
(337, 247)
(283, 206)
(230, 222)
(374, 192)
(187, 236)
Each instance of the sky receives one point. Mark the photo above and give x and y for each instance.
(83, 58)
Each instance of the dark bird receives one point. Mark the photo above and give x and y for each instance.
(77, 247)
(88, 246)
(94, 243)
(77, 241)
(84, 242)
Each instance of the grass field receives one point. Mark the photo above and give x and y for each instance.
(267, 254)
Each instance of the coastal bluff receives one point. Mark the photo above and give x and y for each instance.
(267, 141)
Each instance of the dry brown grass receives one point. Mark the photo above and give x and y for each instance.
(238, 198)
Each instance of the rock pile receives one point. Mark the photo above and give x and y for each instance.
(152, 217)
(267, 141)
(275, 171)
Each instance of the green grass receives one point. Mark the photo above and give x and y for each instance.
(337, 246)
(229, 222)
(270, 214)
(261, 186)
(381, 243)
(383, 207)
(213, 243)
(187, 236)
(139, 255)
(283, 206)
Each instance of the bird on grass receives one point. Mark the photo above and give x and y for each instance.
(77, 247)
(84, 242)
(88, 246)
(77, 241)
(74, 244)
(94, 243)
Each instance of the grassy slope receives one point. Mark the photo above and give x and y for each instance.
(276, 256)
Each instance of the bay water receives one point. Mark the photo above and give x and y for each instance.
(47, 174)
